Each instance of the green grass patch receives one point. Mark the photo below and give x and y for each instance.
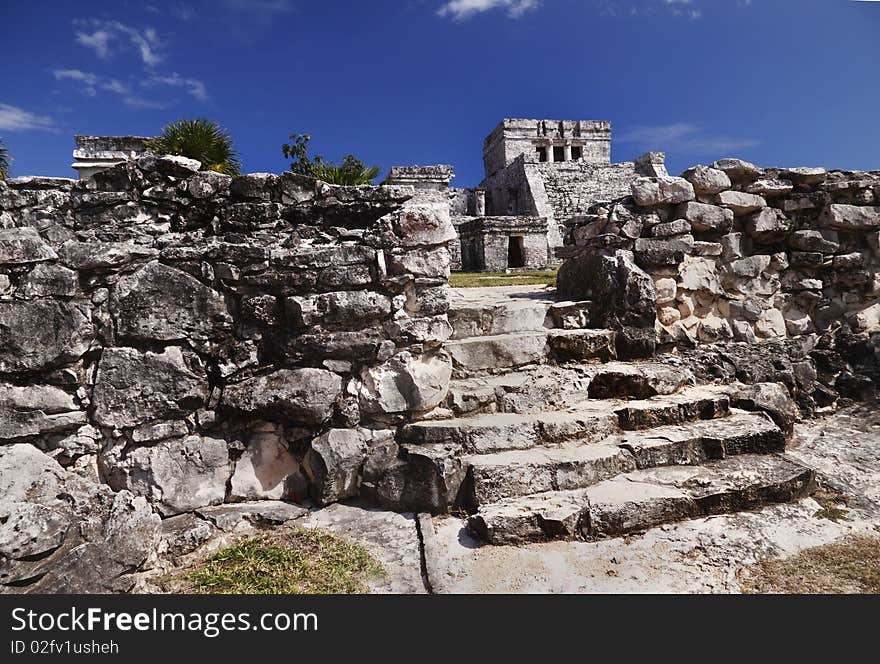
(520, 278)
(849, 566)
(293, 562)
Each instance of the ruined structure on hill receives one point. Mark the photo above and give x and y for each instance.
(538, 174)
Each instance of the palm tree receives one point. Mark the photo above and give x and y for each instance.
(352, 171)
(5, 161)
(200, 139)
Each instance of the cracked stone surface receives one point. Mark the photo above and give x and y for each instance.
(697, 556)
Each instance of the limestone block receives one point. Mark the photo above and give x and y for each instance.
(713, 328)
(650, 192)
(306, 396)
(133, 387)
(704, 217)
(699, 274)
(668, 315)
(162, 303)
(28, 343)
(797, 322)
(20, 246)
(771, 324)
(738, 170)
(266, 470)
(666, 289)
(405, 382)
(707, 180)
(740, 202)
(823, 241)
(768, 225)
(177, 476)
(868, 318)
(805, 176)
(333, 464)
(770, 188)
(851, 217)
(735, 245)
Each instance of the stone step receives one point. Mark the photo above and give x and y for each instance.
(582, 345)
(531, 389)
(500, 351)
(693, 403)
(638, 380)
(694, 442)
(550, 387)
(642, 499)
(473, 319)
(497, 432)
(476, 312)
(492, 477)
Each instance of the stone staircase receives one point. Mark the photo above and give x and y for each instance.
(545, 436)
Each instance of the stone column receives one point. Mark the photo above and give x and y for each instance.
(568, 152)
(480, 203)
(550, 153)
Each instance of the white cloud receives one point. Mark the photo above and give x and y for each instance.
(462, 9)
(13, 118)
(684, 138)
(193, 86)
(107, 38)
(91, 82)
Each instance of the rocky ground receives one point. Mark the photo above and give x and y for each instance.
(714, 555)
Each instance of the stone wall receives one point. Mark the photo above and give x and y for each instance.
(199, 339)
(734, 251)
(486, 243)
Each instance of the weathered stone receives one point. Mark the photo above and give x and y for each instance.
(34, 410)
(740, 202)
(851, 217)
(699, 274)
(49, 280)
(671, 228)
(707, 180)
(797, 322)
(306, 396)
(666, 290)
(207, 184)
(133, 387)
(338, 307)
(704, 217)
(62, 534)
(713, 329)
(405, 383)
(43, 334)
(20, 246)
(768, 225)
(738, 170)
(735, 245)
(424, 223)
(805, 176)
(771, 398)
(660, 191)
(770, 188)
(266, 471)
(177, 476)
(333, 464)
(161, 303)
(771, 324)
(92, 255)
(751, 266)
(824, 241)
(668, 251)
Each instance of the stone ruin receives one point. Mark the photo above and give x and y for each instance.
(94, 154)
(180, 350)
(538, 174)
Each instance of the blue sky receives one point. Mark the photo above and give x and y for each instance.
(778, 82)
